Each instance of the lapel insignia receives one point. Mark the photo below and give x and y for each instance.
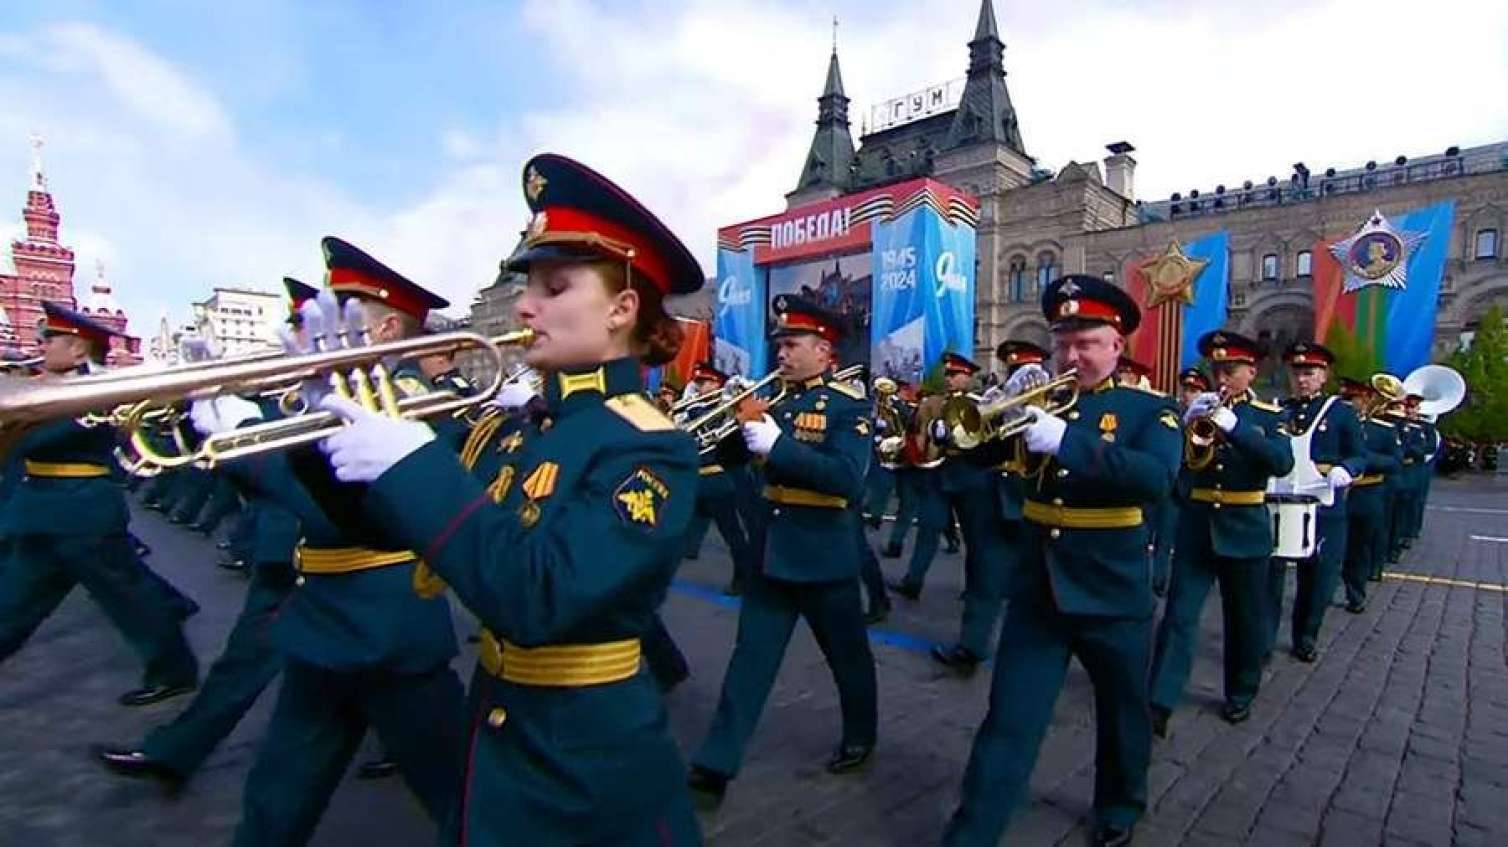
(639, 499)
(862, 426)
(512, 442)
(1169, 419)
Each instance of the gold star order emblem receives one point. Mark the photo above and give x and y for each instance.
(1171, 276)
(534, 184)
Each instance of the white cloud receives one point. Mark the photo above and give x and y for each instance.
(704, 109)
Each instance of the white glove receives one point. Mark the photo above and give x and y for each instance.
(1201, 405)
(1224, 418)
(221, 414)
(993, 394)
(326, 327)
(939, 431)
(760, 436)
(1045, 435)
(1340, 478)
(516, 394)
(371, 443)
(1025, 378)
(891, 444)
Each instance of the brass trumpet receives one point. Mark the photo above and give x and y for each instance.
(710, 428)
(1201, 437)
(971, 422)
(135, 396)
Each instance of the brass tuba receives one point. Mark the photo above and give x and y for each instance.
(1388, 390)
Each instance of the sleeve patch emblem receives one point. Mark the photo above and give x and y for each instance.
(639, 499)
(1169, 419)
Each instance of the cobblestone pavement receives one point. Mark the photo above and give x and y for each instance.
(1398, 735)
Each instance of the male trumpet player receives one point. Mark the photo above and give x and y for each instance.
(1367, 502)
(815, 447)
(1338, 454)
(1082, 588)
(64, 524)
(1233, 445)
(716, 494)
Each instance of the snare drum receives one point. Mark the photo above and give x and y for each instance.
(1295, 525)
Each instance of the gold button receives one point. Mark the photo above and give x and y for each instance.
(1073, 415)
(1055, 532)
(1062, 472)
(1217, 486)
(299, 581)
(1220, 467)
(1217, 505)
(497, 717)
(1057, 501)
(774, 513)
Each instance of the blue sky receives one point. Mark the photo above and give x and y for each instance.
(193, 145)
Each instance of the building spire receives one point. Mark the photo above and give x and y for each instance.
(985, 114)
(831, 154)
(38, 179)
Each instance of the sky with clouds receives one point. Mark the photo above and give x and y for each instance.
(191, 145)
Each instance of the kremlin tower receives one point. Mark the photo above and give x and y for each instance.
(41, 269)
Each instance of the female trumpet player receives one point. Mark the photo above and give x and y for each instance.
(563, 537)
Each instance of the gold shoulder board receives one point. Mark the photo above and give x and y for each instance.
(1267, 407)
(410, 386)
(642, 414)
(846, 390)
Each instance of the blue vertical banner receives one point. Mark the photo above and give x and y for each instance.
(1410, 321)
(738, 324)
(949, 270)
(1209, 310)
(902, 285)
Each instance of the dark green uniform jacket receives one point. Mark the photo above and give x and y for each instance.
(1256, 449)
(52, 505)
(568, 533)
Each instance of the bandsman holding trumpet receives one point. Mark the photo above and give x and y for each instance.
(1082, 588)
(1233, 444)
(1367, 502)
(716, 493)
(1338, 454)
(815, 446)
(64, 525)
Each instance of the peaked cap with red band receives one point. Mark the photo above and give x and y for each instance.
(61, 320)
(799, 316)
(1308, 354)
(1355, 387)
(351, 271)
(704, 370)
(298, 295)
(580, 214)
(1016, 353)
(1222, 346)
(956, 364)
(1194, 378)
(1078, 301)
(1126, 363)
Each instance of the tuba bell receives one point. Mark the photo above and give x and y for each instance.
(1441, 388)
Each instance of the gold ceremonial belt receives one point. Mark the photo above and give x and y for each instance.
(803, 497)
(709, 470)
(561, 666)
(1368, 479)
(1076, 517)
(335, 560)
(1228, 498)
(65, 470)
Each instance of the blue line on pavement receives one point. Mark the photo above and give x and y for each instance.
(887, 637)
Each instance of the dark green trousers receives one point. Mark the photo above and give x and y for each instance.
(1366, 540)
(1036, 643)
(320, 718)
(38, 571)
(907, 494)
(1316, 577)
(249, 661)
(765, 623)
(1243, 587)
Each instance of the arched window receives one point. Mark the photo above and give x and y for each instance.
(1303, 264)
(1047, 269)
(1270, 267)
(1016, 279)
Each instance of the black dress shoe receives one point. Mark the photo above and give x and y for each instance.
(150, 694)
(1376, 577)
(878, 612)
(380, 768)
(1305, 653)
(891, 551)
(237, 565)
(707, 787)
(1356, 608)
(849, 757)
(135, 763)
(222, 544)
(956, 658)
(1233, 713)
(1160, 718)
(904, 588)
(1112, 835)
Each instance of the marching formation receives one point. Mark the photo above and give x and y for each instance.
(555, 505)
